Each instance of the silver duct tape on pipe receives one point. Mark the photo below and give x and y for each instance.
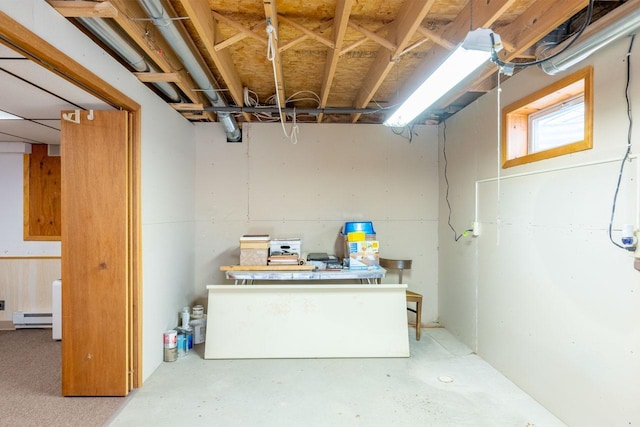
(628, 22)
(101, 29)
(165, 25)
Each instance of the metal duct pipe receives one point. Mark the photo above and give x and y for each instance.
(165, 25)
(101, 29)
(621, 22)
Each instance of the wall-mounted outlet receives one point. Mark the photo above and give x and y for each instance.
(1, 304)
(476, 229)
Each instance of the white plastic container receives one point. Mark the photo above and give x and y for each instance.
(199, 327)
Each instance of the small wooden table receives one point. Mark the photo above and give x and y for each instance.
(245, 275)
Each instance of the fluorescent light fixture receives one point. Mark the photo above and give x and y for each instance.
(6, 116)
(474, 51)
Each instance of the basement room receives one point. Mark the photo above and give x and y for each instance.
(319, 213)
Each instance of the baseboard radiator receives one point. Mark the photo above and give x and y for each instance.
(31, 320)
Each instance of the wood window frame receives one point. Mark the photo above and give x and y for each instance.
(515, 119)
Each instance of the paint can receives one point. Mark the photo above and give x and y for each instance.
(170, 345)
(199, 327)
(197, 312)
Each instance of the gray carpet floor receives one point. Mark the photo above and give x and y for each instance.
(30, 385)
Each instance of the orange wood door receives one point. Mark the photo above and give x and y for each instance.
(95, 279)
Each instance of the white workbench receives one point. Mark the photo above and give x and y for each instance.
(306, 321)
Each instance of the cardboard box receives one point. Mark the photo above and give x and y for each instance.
(286, 246)
(254, 256)
(364, 254)
(368, 237)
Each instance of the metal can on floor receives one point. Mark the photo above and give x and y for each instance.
(171, 346)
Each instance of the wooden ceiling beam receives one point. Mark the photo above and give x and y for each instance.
(207, 29)
(238, 27)
(357, 43)
(303, 37)
(405, 25)
(306, 31)
(155, 48)
(85, 9)
(343, 10)
(230, 41)
(436, 38)
(148, 77)
(179, 106)
(238, 36)
(536, 22)
(271, 13)
(373, 36)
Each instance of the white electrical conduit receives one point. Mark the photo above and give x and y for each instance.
(165, 25)
(541, 171)
(560, 168)
(104, 32)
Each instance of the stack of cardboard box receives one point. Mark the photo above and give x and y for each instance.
(254, 249)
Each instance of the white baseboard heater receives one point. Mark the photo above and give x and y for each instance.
(31, 320)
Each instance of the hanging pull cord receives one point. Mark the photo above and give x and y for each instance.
(271, 32)
(271, 56)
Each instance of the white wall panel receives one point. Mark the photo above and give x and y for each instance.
(334, 174)
(542, 294)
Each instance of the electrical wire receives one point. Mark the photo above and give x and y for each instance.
(446, 180)
(499, 159)
(500, 63)
(628, 151)
(408, 128)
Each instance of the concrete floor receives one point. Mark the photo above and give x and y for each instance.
(442, 384)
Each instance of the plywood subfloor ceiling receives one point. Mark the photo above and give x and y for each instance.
(345, 61)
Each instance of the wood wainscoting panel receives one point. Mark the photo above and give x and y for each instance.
(25, 284)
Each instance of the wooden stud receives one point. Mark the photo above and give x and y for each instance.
(85, 9)
(343, 9)
(158, 77)
(409, 19)
(271, 13)
(207, 29)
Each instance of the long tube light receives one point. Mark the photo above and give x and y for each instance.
(474, 51)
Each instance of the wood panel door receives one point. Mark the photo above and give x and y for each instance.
(96, 307)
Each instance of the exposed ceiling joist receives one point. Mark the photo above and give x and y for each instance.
(409, 19)
(343, 9)
(200, 15)
(271, 13)
(85, 9)
(331, 57)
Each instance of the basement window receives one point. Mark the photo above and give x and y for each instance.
(554, 121)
